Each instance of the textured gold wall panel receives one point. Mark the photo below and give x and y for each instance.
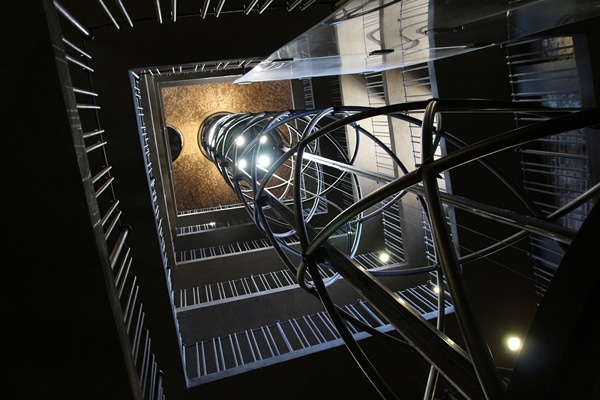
(196, 180)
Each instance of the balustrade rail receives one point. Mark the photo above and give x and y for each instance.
(316, 174)
(555, 168)
(103, 203)
(240, 352)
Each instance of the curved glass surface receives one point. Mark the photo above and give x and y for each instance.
(368, 36)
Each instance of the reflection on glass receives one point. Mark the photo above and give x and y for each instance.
(368, 36)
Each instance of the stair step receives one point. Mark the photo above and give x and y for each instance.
(238, 289)
(218, 234)
(257, 284)
(199, 228)
(250, 349)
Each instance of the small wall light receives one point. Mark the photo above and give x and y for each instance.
(384, 257)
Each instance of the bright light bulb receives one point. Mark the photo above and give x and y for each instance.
(436, 289)
(263, 139)
(264, 161)
(513, 343)
(240, 141)
(384, 257)
(242, 164)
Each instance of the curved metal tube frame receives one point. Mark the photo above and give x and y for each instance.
(285, 203)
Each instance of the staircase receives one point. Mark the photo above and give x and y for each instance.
(280, 341)
(216, 264)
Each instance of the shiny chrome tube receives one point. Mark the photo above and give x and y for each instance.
(308, 174)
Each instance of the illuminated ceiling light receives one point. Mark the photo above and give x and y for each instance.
(434, 288)
(264, 160)
(263, 139)
(242, 164)
(513, 343)
(240, 141)
(384, 257)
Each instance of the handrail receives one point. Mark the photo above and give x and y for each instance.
(111, 237)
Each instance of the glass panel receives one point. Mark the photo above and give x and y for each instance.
(370, 36)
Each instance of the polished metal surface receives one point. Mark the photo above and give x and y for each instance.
(310, 164)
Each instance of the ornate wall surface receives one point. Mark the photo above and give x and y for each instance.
(185, 107)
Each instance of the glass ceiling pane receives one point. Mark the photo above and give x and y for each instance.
(368, 36)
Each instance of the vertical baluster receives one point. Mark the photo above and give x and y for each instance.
(152, 381)
(138, 335)
(63, 11)
(198, 371)
(260, 357)
(235, 360)
(109, 14)
(203, 12)
(284, 336)
(262, 329)
(131, 298)
(114, 255)
(146, 354)
(265, 5)
(239, 350)
(216, 355)
(124, 11)
(219, 8)
(158, 11)
(299, 333)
